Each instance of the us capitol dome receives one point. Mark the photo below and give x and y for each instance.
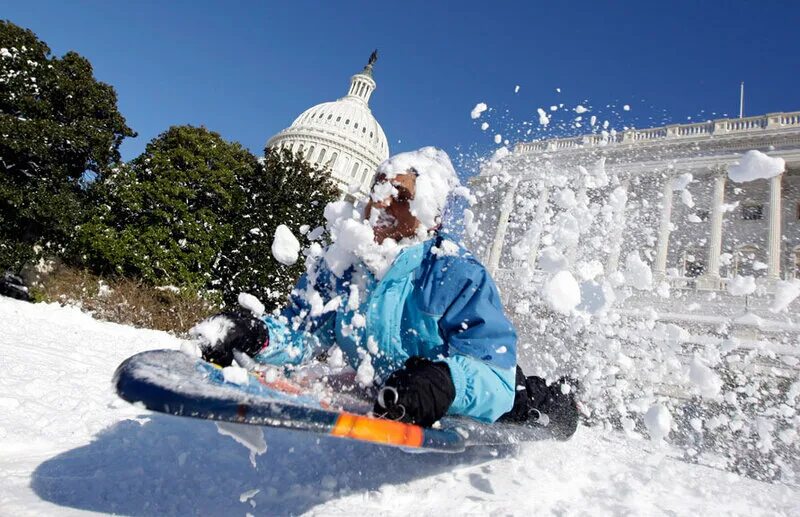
(342, 136)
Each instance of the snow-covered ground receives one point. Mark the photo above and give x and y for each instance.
(70, 446)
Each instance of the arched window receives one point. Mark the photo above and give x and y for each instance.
(310, 152)
(332, 162)
(363, 176)
(355, 170)
(300, 149)
(321, 155)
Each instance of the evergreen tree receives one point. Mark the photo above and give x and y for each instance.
(286, 191)
(57, 123)
(165, 216)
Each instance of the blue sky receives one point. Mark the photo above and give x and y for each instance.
(247, 69)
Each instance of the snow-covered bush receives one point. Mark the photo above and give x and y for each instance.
(57, 123)
(198, 212)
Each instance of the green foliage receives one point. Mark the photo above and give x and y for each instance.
(286, 191)
(195, 211)
(56, 123)
(165, 216)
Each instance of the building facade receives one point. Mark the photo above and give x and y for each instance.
(662, 192)
(342, 136)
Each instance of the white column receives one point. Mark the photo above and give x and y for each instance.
(541, 210)
(774, 242)
(502, 225)
(664, 229)
(711, 278)
(618, 228)
(572, 253)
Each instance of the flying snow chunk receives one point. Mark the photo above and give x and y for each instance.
(285, 246)
(484, 126)
(498, 139)
(682, 181)
(704, 378)
(543, 118)
(516, 89)
(596, 297)
(566, 199)
(741, 285)
(755, 165)
(251, 303)
(686, 198)
(478, 109)
(562, 292)
(626, 107)
(785, 293)
(551, 260)
(580, 109)
(235, 375)
(637, 273)
(658, 421)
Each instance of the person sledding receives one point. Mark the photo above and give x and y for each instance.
(415, 314)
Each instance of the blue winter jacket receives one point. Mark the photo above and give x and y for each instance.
(436, 301)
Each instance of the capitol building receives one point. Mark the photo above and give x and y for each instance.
(341, 136)
(661, 197)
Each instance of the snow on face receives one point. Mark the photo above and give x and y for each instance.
(382, 190)
(353, 242)
(285, 246)
(436, 178)
(756, 165)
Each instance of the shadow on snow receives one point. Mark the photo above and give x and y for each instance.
(171, 465)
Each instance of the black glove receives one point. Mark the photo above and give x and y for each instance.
(221, 334)
(538, 404)
(419, 393)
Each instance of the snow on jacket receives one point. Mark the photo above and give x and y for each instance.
(436, 301)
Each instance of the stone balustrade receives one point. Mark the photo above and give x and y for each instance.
(745, 125)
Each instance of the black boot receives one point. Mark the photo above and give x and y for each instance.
(538, 404)
(13, 286)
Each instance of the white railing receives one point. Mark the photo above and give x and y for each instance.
(769, 122)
